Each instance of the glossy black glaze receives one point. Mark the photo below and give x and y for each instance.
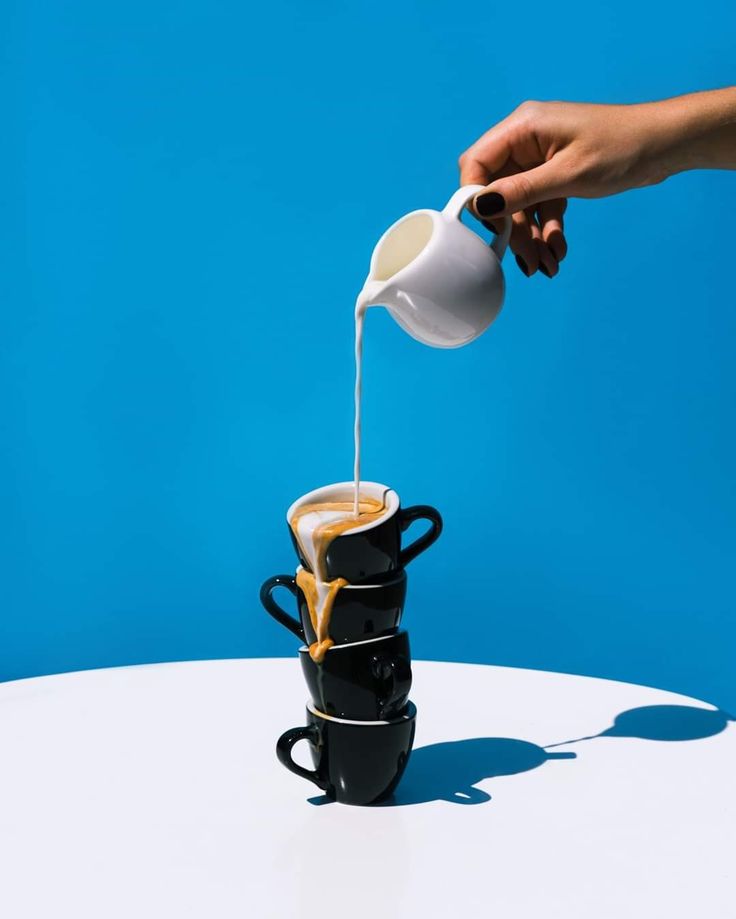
(353, 763)
(358, 612)
(368, 680)
(377, 551)
(273, 609)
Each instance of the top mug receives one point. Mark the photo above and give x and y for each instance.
(372, 550)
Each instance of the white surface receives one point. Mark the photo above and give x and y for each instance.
(155, 792)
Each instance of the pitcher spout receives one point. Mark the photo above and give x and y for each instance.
(372, 294)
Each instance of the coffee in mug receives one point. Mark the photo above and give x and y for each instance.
(337, 548)
(359, 611)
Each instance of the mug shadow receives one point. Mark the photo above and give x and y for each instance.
(451, 770)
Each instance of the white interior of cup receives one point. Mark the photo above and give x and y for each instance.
(345, 491)
(407, 716)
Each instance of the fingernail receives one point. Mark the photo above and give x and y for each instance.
(545, 270)
(522, 264)
(489, 226)
(490, 204)
(557, 245)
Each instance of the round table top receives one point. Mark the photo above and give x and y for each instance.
(155, 791)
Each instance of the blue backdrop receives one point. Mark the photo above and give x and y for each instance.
(194, 191)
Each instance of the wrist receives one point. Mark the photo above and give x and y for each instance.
(697, 131)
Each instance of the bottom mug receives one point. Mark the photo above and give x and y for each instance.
(355, 762)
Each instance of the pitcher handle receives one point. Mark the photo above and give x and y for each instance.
(454, 208)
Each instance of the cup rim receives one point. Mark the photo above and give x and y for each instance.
(409, 715)
(400, 576)
(352, 644)
(389, 496)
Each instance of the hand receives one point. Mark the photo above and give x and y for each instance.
(545, 152)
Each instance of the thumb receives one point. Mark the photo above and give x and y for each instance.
(513, 193)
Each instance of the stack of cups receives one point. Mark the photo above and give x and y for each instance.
(360, 722)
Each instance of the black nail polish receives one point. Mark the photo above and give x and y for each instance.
(489, 226)
(545, 270)
(522, 264)
(490, 204)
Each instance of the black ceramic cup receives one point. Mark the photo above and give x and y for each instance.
(360, 611)
(355, 762)
(374, 550)
(366, 680)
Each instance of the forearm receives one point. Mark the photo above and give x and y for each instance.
(697, 131)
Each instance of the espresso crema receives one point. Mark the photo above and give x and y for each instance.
(315, 526)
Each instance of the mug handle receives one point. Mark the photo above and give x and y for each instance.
(407, 515)
(273, 609)
(284, 746)
(459, 200)
(396, 671)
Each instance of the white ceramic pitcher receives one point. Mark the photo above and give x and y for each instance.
(437, 278)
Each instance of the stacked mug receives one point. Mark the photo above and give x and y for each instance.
(360, 722)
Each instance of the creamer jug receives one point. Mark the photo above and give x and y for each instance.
(439, 280)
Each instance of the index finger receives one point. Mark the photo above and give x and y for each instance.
(486, 156)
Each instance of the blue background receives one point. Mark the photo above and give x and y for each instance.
(193, 193)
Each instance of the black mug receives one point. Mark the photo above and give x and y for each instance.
(366, 680)
(359, 612)
(374, 550)
(355, 762)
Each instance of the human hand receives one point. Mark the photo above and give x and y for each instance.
(545, 152)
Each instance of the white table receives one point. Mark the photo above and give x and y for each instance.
(155, 792)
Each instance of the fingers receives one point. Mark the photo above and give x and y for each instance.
(513, 193)
(548, 264)
(527, 243)
(549, 218)
(486, 156)
(522, 244)
(473, 172)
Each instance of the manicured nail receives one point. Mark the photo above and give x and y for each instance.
(489, 226)
(522, 264)
(558, 247)
(490, 204)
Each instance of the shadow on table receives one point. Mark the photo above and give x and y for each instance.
(449, 771)
(662, 722)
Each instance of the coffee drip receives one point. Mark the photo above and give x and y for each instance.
(315, 526)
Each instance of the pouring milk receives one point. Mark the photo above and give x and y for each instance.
(439, 280)
(444, 286)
